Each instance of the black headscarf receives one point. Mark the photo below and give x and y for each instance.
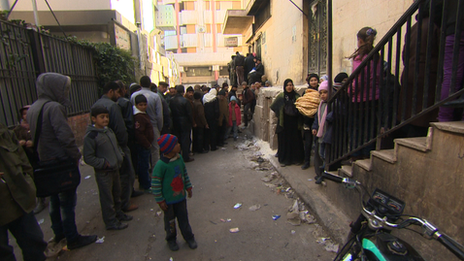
(289, 96)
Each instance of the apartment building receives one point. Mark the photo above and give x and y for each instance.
(192, 30)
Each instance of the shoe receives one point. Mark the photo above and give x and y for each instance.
(282, 165)
(276, 155)
(235, 138)
(192, 244)
(225, 143)
(117, 226)
(136, 193)
(189, 160)
(132, 207)
(305, 166)
(56, 239)
(214, 149)
(239, 131)
(319, 180)
(82, 241)
(124, 217)
(173, 245)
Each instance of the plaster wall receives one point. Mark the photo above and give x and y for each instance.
(349, 16)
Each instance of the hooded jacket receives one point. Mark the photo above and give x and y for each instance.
(117, 123)
(144, 134)
(100, 147)
(17, 190)
(56, 139)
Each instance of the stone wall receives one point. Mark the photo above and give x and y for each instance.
(265, 120)
(79, 125)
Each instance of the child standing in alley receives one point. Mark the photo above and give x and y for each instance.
(101, 151)
(320, 130)
(235, 117)
(170, 183)
(144, 137)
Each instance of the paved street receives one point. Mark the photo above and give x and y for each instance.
(221, 179)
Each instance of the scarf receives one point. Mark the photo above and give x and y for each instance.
(210, 96)
(320, 120)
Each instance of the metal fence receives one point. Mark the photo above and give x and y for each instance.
(381, 98)
(24, 54)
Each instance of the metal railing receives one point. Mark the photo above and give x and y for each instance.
(25, 53)
(376, 102)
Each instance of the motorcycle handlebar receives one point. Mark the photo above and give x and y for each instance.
(451, 245)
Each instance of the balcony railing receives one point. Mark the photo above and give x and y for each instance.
(403, 81)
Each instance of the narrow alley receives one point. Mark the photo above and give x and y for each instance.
(236, 173)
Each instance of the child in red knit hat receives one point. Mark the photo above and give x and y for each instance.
(170, 184)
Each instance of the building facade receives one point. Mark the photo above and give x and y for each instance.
(129, 25)
(192, 30)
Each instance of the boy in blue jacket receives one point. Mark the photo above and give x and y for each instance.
(101, 151)
(170, 184)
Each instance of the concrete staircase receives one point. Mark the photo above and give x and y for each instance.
(427, 173)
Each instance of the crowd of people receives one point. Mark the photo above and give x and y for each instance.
(145, 129)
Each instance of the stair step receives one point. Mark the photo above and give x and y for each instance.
(419, 143)
(347, 171)
(386, 155)
(452, 126)
(366, 164)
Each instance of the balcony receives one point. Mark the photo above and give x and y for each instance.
(236, 22)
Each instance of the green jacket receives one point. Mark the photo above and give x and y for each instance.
(17, 189)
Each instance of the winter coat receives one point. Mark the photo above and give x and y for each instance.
(199, 114)
(17, 189)
(249, 63)
(56, 139)
(212, 112)
(407, 81)
(166, 113)
(238, 115)
(116, 119)
(181, 112)
(223, 111)
(101, 147)
(127, 113)
(144, 134)
(328, 133)
(247, 96)
(154, 106)
(364, 80)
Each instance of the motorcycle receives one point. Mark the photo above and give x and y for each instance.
(370, 237)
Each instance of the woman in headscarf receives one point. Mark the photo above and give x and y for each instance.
(211, 105)
(289, 126)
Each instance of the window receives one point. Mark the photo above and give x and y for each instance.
(263, 14)
(198, 71)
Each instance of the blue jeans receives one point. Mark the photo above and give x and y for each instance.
(233, 128)
(28, 235)
(62, 215)
(143, 165)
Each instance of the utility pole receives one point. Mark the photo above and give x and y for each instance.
(36, 16)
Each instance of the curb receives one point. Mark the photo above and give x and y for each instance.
(331, 218)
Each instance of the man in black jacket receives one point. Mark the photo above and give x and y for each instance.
(181, 113)
(239, 67)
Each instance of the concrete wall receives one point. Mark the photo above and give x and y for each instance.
(283, 56)
(430, 183)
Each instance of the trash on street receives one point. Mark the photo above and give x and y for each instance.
(275, 217)
(100, 240)
(255, 207)
(234, 230)
(238, 205)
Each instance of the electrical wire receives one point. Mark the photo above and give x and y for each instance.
(299, 8)
(11, 9)
(56, 19)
